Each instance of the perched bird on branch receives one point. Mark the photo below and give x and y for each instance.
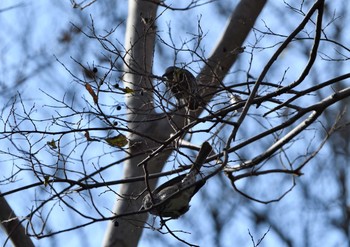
(172, 198)
(183, 86)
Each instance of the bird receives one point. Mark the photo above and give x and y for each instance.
(183, 86)
(172, 198)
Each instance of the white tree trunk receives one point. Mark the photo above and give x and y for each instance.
(139, 45)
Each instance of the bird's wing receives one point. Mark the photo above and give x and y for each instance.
(171, 182)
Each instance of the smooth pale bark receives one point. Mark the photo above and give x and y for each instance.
(139, 45)
(230, 44)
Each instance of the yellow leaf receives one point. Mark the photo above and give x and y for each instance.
(117, 141)
(128, 90)
(46, 180)
(52, 144)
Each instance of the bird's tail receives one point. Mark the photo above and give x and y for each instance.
(201, 157)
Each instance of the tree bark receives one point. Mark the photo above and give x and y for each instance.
(12, 225)
(230, 44)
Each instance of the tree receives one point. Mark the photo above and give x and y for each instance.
(266, 123)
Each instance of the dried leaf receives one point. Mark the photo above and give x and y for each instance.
(90, 73)
(87, 136)
(46, 180)
(52, 144)
(117, 141)
(91, 92)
